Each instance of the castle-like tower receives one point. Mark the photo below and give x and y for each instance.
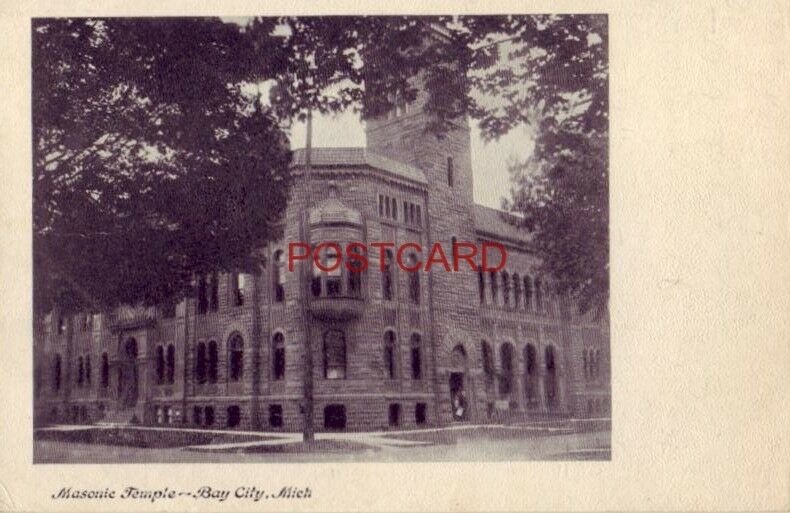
(390, 349)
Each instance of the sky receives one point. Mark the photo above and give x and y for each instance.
(489, 160)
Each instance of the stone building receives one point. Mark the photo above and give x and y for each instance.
(390, 349)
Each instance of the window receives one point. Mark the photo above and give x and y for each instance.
(278, 356)
(333, 277)
(388, 207)
(394, 415)
(200, 363)
(335, 417)
(235, 357)
(169, 414)
(516, 291)
(276, 415)
(278, 276)
(527, 293)
(234, 416)
(450, 171)
(355, 274)
(530, 375)
(386, 276)
(488, 360)
(420, 413)
(88, 370)
(171, 364)
(80, 371)
(506, 379)
(197, 415)
(414, 280)
(494, 287)
(389, 354)
(538, 295)
(381, 205)
(57, 372)
(105, 370)
(237, 288)
(481, 286)
(334, 354)
(209, 415)
(213, 362)
(61, 325)
(213, 292)
(394, 209)
(419, 216)
(505, 289)
(416, 356)
(550, 384)
(202, 294)
(160, 365)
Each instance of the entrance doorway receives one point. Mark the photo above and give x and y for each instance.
(128, 375)
(457, 396)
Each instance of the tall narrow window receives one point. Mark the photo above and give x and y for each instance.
(389, 354)
(387, 207)
(278, 276)
(450, 171)
(416, 356)
(202, 293)
(355, 274)
(213, 303)
(88, 370)
(481, 286)
(160, 365)
(419, 215)
(538, 295)
(414, 281)
(333, 277)
(57, 372)
(550, 384)
(516, 291)
(394, 209)
(506, 380)
(200, 363)
(237, 288)
(488, 361)
(386, 276)
(278, 356)
(213, 362)
(171, 364)
(381, 205)
(494, 287)
(235, 358)
(334, 354)
(505, 289)
(527, 292)
(105, 370)
(80, 371)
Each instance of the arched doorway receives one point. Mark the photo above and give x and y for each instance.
(128, 375)
(459, 404)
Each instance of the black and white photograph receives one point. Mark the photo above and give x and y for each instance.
(321, 238)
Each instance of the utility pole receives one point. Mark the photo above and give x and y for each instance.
(309, 429)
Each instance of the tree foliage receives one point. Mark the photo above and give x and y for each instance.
(150, 161)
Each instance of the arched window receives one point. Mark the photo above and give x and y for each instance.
(237, 288)
(88, 370)
(389, 354)
(105, 370)
(551, 376)
(516, 291)
(416, 356)
(530, 374)
(334, 354)
(213, 298)
(355, 274)
(80, 371)
(414, 280)
(57, 371)
(235, 357)
(527, 292)
(160, 365)
(200, 363)
(386, 276)
(505, 289)
(494, 287)
(171, 364)
(278, 276)
(202, 293)
(506, 379)
(213, 362)
(481, 286)
(278, 356)
(488, 361)
(538, 295)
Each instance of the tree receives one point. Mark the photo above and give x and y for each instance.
(152, 162)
